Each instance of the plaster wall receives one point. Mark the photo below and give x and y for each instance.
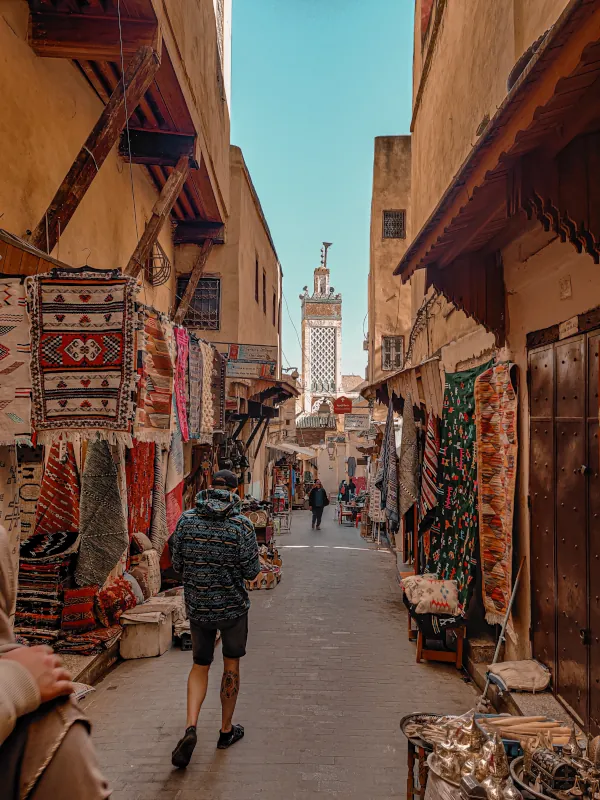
(190, 32)
(533, 267)
(48, 110)
(246, 240)
(389, 300)
(477, 45)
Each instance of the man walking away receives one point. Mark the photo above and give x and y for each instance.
(317, 500)
(214, 550)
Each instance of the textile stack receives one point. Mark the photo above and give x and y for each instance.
(99, 398)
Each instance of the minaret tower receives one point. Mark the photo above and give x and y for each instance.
(321, 339)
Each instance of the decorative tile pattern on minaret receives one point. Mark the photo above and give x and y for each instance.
(321, 338)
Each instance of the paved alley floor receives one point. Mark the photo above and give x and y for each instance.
(328, 676)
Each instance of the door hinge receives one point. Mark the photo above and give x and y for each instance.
(585, 636)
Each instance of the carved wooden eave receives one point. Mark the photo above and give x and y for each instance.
(537, 158)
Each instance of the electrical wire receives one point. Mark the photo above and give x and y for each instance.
(293, 325)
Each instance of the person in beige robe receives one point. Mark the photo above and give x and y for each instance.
(45, 748)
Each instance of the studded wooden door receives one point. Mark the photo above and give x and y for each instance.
(565, 526)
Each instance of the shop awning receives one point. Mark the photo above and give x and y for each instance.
(423, 382)
(555, 99)
(296, 449)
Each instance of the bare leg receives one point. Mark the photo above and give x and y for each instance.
(196, 692)
(230, 688)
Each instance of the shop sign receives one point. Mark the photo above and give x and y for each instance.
(342, 405)
(248, 369)
(261, 353)
(568, 328)
(357, 422)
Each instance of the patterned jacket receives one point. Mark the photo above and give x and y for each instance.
(214, 549)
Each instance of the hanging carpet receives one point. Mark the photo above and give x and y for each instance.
(173, 489)
(454, 534)
(103, 526)
(218, 390)
(10, 519)
(408, 467)
(158, 526)
(496, 415)
(429, 471)
(58, 504)
(387, 474)
(15, 356)
(139, 468)
(155, 375)
(30, 484)
(181, 380)
(207, 411)
(82, 353)
(195, 387)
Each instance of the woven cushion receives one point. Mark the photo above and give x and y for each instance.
(135, 587)
(116, 597)
(140, 543)
(437, 597)
(78, 610)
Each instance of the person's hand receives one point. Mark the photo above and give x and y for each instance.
(41, 661)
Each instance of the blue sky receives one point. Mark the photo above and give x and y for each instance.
(313, 83)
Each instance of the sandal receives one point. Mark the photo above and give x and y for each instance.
(185, 747)
(227, 739)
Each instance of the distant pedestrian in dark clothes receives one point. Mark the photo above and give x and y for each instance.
(351, 489)
(317, 500)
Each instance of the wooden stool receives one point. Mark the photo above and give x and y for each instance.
(443, 655)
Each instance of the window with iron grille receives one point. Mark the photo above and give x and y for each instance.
(256, 282)
(392, 352)
(264, 292)
(394, 224)
(204, 311)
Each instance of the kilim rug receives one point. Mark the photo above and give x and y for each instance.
(158, 526)
(207, 412)
(181, 380)
(408, 466)
(218, 390)
(58, 504)
(155, 371)
(174, 488)
(82, 354)
(387, 475)
(9, 508)
(195, 387)
(15, 355)
(454, 534)
(429, 472)
(103, 526)
(496, 416)
(30, 482)
(139, 467)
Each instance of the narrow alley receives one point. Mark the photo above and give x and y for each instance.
(328, 676)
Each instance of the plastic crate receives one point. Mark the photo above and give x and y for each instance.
(185, 641)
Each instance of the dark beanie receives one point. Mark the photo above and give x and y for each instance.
(227, 477)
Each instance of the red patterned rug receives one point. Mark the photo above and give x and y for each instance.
(58, 504)
(82, 353)
(139, 468)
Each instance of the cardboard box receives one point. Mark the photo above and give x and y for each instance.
(146, 633)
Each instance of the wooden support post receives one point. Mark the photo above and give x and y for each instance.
(138, 76)
(162, 208)
(195, 276)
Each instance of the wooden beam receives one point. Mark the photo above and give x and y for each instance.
(197, 231)
(162, 209)
(152, 147)
(138, 76)
(93, 38)
(195, 276)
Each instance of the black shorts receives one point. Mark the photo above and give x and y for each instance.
(234, 635)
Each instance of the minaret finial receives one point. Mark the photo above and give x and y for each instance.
(324, 249)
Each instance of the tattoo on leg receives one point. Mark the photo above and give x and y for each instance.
(230, 685)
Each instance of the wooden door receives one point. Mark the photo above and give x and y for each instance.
(564, 407)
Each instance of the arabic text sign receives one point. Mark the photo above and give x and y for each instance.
(249, 369)
(357, 422)
(262, 353)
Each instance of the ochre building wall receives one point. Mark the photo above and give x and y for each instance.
(389, 300)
